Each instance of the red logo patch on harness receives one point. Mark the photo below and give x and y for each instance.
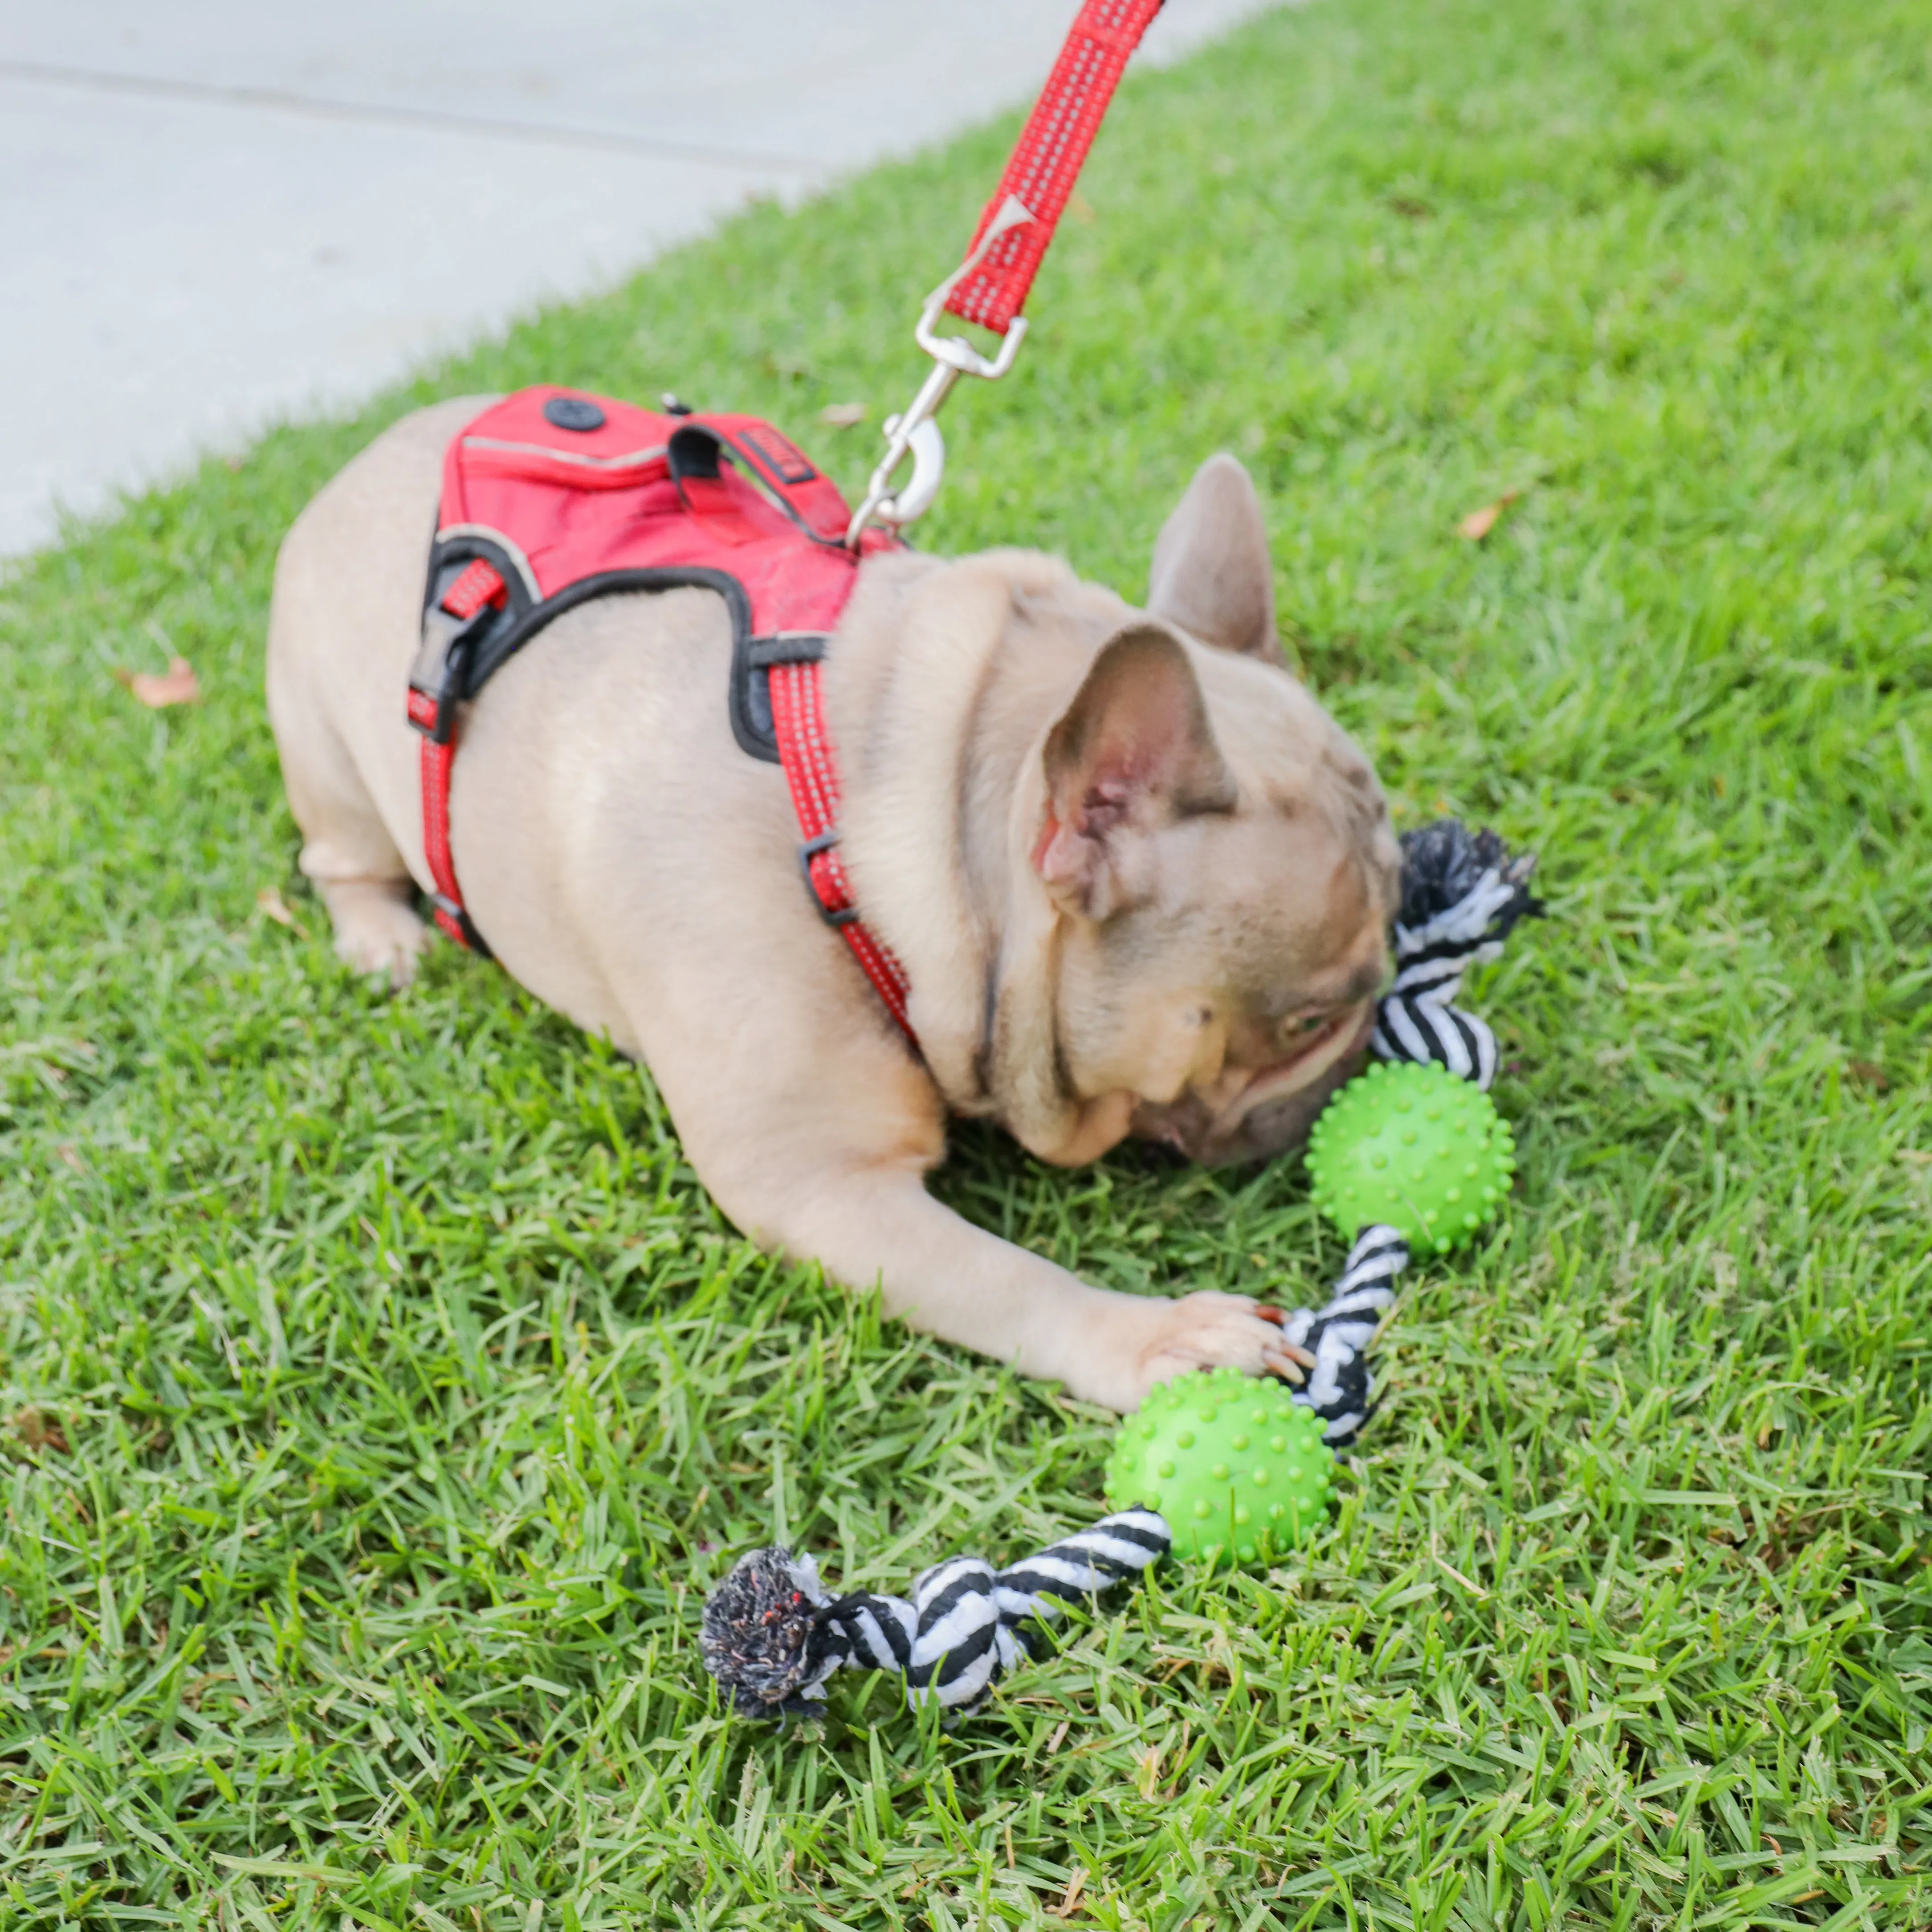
(783, 459)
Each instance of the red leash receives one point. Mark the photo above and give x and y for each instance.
(990, 286)
(1052, 146)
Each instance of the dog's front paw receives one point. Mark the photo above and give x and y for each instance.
(1161, 1339)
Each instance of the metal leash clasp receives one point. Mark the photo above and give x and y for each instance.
(915, 433)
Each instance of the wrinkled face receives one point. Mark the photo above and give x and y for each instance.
(1221, 856)
(1240, 992)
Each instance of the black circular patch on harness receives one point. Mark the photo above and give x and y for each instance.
(577, 412)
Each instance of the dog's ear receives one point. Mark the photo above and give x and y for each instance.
(1133, 751)
(1212, 575)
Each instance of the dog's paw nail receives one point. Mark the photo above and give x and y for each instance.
(1268, 1312)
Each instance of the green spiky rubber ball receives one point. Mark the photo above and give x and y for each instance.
(1240, 1472)
(1413, 1147)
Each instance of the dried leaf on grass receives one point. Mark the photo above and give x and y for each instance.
(177, 684)
(39, 1430)
(842, 416)
(1478, 524)
(271, 904)
(1070, 1903)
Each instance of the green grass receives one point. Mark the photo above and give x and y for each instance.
(398, 1394)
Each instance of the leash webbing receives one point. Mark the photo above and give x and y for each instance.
(990, 285)
(1047, 159)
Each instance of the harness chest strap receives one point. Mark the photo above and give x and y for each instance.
(811, 772)
(480, 588)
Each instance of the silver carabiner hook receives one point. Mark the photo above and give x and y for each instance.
(915, 433)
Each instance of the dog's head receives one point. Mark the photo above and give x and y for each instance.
(1221, 854)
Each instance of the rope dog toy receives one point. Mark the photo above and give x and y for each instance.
(771, 1636)
(1462, 893)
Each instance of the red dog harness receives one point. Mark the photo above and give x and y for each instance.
(550, 498)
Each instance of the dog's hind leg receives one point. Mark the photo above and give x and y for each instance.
(346, 848)
(377, 928)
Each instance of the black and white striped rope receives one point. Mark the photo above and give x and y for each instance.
(772, 1638)
(1462, 893)
(1338, 1388)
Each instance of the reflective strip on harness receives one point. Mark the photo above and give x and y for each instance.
(811, 770)
(447, 900)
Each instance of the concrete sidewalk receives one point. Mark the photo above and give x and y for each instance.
(217, 213)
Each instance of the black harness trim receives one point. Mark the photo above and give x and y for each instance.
(485, 647)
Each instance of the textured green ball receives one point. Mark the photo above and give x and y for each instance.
(1415, 1148)
(1240, 1472)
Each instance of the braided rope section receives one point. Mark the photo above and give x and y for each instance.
(1338, 1388)
(773, 1638)
(1462, 893)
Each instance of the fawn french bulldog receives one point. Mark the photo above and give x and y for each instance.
(1139, 880)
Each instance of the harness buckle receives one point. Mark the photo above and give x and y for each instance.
(439, 674)
(436, 677)
(814, 848)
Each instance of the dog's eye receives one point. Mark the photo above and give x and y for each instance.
(1303, 1023)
